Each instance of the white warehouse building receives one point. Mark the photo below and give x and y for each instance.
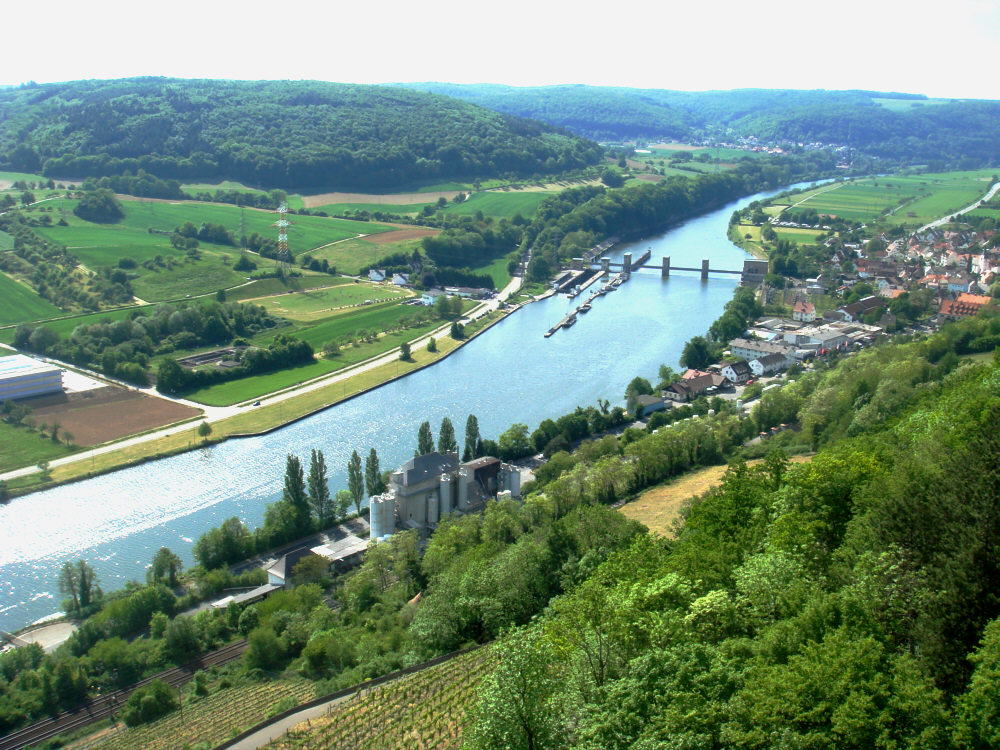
(21, 377)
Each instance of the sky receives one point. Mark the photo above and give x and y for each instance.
(938, 49)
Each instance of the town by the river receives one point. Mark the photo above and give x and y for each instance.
(511, 373)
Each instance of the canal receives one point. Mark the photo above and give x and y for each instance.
(509, 374)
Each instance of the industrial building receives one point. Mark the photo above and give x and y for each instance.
(427, 488)
(21, 377)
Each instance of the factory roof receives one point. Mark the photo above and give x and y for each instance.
(18, 365)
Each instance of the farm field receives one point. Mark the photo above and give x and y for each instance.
(320, 303)
(266, 287)
(305, 232)
(20, 446)
(350, 256)
(346, 325)
(19, 303)
(428, 710)
(207, 721)
(64, 326)
(798, 236)
(917, 198)
(500, 204)
(177, 275)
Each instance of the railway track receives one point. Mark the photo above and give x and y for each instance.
(104, 706)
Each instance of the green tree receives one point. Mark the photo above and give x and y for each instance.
(432, 344)
(319, 490)
(149, 703)
(170, 376)
(516, 704)
(356, 480)
(295, 494)
(404, 352)
(373, 475)
(165, 566)
(514, 442)
(204, 430)
(342, 501)
(425, 440)
(697, 353)
(457, 331)
(637, 387)
(447, 443)
(471, 438)
(442, 307)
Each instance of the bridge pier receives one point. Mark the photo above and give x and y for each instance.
(606, 265)
(627, 264)
(665, 273)
(704, 270)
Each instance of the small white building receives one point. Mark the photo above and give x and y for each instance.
(430, 296)
(737, 372)
(23, 377)
(767, 364)
(376, 274)
(804, 312)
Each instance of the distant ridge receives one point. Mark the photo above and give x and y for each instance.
(273, 133)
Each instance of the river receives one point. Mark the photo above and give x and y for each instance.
(510, 373)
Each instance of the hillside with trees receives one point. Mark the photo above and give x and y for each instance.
(302, 134)
(940, 133)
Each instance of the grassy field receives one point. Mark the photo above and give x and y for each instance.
(917, 199)
(98, 245)
(19, 303)
(798, 236)
(20, 446)
(428, 709)
(212, 719)
(265, 287)
(500, 204)
(350, 256)
(659, 509)
(308, 306)
(305, 232)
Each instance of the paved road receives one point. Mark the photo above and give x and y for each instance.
(216, 413)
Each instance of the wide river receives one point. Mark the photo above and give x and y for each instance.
(509, 374)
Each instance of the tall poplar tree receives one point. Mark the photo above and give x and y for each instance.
(471, 438)
(295, 493)
(356, 480)
(319, 490)
(446, 438)
(425, 440)
(373, 476)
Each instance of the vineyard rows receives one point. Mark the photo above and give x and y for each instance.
(423, 710)
(213, 719)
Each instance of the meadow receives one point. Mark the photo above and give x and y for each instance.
(914, 199)
(19, 303)
(350, 256)
(307, 306)
(500, 204)
(25, 447)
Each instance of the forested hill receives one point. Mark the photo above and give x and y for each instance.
(899, 127)
(296, 134)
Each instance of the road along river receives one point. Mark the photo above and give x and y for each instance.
(510, 373)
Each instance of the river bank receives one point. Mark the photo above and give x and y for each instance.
(289, 406)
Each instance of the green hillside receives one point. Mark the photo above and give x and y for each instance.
(302, 134)
(897, 127)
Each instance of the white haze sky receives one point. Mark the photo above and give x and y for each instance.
(942, 49)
